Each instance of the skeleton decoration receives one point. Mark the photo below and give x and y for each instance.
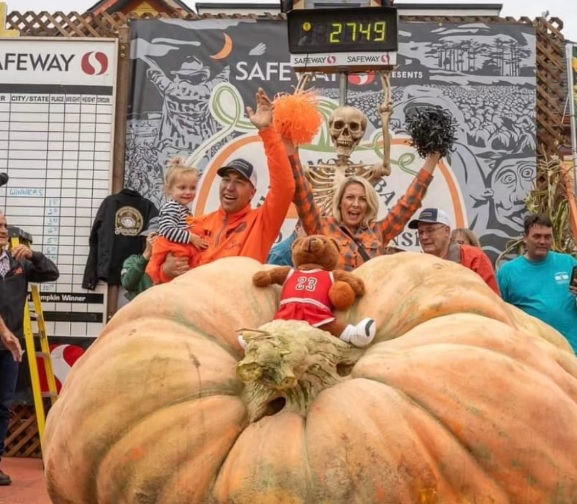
(347, 127)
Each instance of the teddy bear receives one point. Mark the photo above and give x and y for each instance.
(314, 288)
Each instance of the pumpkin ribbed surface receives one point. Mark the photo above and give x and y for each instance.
(460, 399)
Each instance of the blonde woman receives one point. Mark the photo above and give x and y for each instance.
(464, 236)
(354, 225)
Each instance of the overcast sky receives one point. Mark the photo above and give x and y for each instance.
(516, 8)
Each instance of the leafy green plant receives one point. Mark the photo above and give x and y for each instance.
(548, 197)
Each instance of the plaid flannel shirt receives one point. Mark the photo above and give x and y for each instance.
(374, 237)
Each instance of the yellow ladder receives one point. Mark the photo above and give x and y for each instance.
(33, 313)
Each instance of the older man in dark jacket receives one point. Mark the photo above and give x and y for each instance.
(17, 268)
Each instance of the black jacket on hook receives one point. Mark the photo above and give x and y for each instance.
(115, 236)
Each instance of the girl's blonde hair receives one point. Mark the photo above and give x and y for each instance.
(371, 195)
(177, 167)
(470, 237)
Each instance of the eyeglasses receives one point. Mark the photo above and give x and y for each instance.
(430, 230)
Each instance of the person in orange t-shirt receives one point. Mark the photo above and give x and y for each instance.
(434, 229)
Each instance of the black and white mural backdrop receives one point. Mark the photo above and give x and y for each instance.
(193, 79)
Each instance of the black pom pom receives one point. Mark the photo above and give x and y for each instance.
(432, 129)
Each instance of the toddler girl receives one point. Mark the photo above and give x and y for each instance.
(174, 234)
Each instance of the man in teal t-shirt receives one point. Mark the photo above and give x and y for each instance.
(538, 282)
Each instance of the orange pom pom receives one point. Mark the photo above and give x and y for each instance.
(296, 117)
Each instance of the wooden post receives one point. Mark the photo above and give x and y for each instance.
(4, 33)
(121, 113)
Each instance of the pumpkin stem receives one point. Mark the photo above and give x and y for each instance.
(288, 363)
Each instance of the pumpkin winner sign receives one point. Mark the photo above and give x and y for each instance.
(193, 79)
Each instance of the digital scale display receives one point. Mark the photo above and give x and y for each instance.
(312, 31)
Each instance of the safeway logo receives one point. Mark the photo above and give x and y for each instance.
(361, 79)
(331, 60)
(94, 63)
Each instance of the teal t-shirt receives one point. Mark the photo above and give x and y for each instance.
(541, 289)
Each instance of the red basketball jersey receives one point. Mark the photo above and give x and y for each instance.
(305, 296)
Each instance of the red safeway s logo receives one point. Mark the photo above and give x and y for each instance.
(365, 79)
(331, 60)
(94, 63)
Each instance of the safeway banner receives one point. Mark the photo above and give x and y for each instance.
(193, 79)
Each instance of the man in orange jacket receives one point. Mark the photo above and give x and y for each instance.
(237, 229)
(434, 229)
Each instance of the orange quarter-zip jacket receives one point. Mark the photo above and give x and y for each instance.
(251, 232)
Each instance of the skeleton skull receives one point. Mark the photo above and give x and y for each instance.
(347, 126)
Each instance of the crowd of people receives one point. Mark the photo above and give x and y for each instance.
(538, 282)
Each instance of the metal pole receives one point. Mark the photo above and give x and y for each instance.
(343, 88)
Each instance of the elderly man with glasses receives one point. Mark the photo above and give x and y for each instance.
(434, 230)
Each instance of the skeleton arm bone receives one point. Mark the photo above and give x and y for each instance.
(385, 111)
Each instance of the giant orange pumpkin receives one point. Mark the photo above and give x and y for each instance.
(461, 399)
